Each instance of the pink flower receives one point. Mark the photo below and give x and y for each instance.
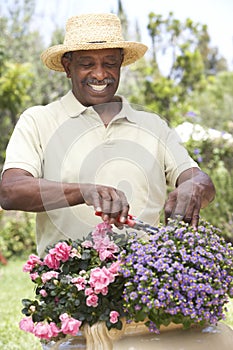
(34, 276)
(92, 300)
(32, 262)
(48, 275)
(114, 268)
(100, 279)
(79, 282)
(61, 251)
(104, 291)
(51, 261)
(89, 291)
(43, 293)
(87, 244)
(46, 330)
(69, 324)
(101, 230)
(106, 248)
(26, 324)
(42, 330)
(114, 315)
(54, 329)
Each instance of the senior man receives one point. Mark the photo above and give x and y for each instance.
(92, 150)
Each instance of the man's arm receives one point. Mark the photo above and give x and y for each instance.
(19, 190)
(194, 191)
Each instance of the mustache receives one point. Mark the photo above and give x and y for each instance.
(98, 82)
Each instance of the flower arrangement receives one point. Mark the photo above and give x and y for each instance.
(176, 275)
(76, 282)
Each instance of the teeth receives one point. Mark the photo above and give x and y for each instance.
(98, 87)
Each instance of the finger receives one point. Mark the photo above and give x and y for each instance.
(195, 221)
(192, 213)
(120, 208)
(184, 206)
(169, 207)
(92, 198)
(96, 202)
(106, 204)
(116, 205)
(118, 225)
(124, 208)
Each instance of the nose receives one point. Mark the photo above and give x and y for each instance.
(98, 72)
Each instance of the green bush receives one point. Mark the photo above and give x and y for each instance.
(212, 154)
(220, 211)
(17, 238)
(215, 158)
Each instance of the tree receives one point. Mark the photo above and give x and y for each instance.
(214, 105)
(187, 45)
(14, 87)
(185, 42)
(24, 81)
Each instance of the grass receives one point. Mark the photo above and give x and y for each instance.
(15, 285)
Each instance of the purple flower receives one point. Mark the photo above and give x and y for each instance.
(133, 295)
(196, 151)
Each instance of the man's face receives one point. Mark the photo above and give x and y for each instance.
(94, 74)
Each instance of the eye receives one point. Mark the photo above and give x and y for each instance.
(111, 65)
(86, 65)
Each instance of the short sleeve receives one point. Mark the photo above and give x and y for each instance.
(24, 148)
(177, 158)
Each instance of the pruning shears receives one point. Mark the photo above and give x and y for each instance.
(134, 222)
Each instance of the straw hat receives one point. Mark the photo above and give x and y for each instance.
(93, 32)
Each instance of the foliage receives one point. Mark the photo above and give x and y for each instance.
(76, 283)
(15, 84)
(176, 275)
(215, 158)
(214, 105)
(24, 81)
(187, 43)
(212, 153)
(17, 235)
(14, 87)
(220, 211)
(167, 92)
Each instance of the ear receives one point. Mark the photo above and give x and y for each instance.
(66, 64)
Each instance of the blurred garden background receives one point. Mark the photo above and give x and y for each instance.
(194, 96)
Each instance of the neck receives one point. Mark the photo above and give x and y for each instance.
(107, 111)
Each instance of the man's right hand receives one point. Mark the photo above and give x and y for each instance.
(110, 201)
(19, 190)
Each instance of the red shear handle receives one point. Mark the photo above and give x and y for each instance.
(130, 221)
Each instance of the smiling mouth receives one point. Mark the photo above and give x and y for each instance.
(98, 88)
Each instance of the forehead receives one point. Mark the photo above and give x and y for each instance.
(103, 53)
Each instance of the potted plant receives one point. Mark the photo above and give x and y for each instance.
(176, 276)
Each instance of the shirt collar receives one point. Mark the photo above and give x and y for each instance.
(127, 111)
(74, 108)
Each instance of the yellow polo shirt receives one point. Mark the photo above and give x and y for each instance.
(67, 142)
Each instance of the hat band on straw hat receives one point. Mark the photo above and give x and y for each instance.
(93, 32)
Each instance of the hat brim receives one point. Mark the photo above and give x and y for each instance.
(132, 52)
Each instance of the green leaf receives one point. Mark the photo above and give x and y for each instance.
(140, 316)
(27, 302)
